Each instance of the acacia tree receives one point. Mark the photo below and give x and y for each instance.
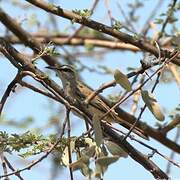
(100, 46)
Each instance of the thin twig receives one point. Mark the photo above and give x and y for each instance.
(69, 141)
(175, 73)
(143, 109)
(136, 98)
(135, 154)
(32, 164)
(10, 88)
(11, 167)
(149, 78)
(151, 16)
(82, 26)
(128, 22)
(25, 84)
(144, 45)
(168, 168)
(174, 123)
(171, 11)
(4, 166)
(145, 145)
(99, 90)
(78, 40)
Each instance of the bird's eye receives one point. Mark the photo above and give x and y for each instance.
(66, 69)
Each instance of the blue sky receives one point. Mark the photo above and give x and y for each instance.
(24, 103)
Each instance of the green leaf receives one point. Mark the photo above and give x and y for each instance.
(89, 141)
(76, 165)
(32, 20)
(102, 164)
(122, 80)
(82, 166)
(97, 130)
(117, 25)
(84, 13)
(176, 41)
(79, 164)
(106, 161)
(114, 149)
(152, 105)
(89, 46)
(99, 170)
(89, 151)
(159, 21)
(65, 156)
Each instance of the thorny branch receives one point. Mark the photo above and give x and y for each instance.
(28, 167)
(142, 44)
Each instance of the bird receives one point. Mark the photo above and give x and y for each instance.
(79, 91)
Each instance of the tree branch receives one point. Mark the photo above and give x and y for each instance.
(140, 43)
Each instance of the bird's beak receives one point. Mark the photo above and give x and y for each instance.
(51, 67)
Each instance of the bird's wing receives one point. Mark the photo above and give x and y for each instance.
(98, 105)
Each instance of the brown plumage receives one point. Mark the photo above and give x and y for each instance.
(79, 91)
